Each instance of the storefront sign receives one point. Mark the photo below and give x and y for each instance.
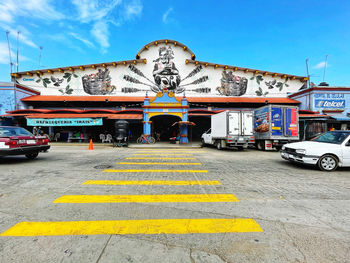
(332, 101)
(330, 104)
(65, 122)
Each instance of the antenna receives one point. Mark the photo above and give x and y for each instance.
(8, 44)
(324, 69)
(307, 72)
(17, 48)
(41, 48)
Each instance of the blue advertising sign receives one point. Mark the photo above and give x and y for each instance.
(329, 104)
(261, 120)
(277, 125)
(65, 122)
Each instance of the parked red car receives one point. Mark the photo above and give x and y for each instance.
(19, 141)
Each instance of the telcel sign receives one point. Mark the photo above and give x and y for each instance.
(329, 101)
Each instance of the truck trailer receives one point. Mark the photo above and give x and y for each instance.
(232, 128)
(275, 125)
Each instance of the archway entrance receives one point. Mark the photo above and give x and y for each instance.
(162, 127)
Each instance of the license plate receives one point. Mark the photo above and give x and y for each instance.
(30, 141)
(22, 141)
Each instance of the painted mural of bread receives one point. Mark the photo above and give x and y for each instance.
(262, 128)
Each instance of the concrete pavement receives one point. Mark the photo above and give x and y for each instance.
(303, 213)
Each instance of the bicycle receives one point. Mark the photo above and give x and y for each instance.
(146, 139)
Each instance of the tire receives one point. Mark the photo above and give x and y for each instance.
(240, 148)
(261, 145)
(328, 163)
(151, 140)
(139, 140)
(202, 143)
(218, 145)
(278, 148)
(32, 156)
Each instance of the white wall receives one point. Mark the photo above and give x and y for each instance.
(118, 83)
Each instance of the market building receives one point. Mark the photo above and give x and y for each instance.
(163, 85)
(10, 99)
(323, 108)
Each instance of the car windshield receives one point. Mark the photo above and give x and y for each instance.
(13, 131)
(332, 137)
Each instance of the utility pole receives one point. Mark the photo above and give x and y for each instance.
(308, 81)
(8, 44)
(17, 48)
(324, 69)
(41, 48)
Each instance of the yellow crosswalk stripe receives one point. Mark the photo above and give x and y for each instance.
(152, 171)
(130, 227)
(174, 198)
(160, 158)
(158, 163)
(163, 154)
(162, 151)
(116, 182)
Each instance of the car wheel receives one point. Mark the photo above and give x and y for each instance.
(261, 145)
(32, 155)
(202, 143)
(218, 145)
(328, 163)
(240, 148)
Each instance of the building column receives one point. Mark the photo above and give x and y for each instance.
(183, 134)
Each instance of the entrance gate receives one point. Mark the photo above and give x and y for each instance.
(165, 103)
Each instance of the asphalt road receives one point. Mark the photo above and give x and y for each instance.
(119, 205)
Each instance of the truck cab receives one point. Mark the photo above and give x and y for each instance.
(207, 137)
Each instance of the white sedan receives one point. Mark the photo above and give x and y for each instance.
(327, 151)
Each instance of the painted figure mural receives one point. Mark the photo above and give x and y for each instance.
(232, 85)
(98, 83)
(165, 74)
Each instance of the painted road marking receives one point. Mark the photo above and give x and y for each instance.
(157, 163)
(152, 171)
(130, 227)
(163, 154)
(115, 182)
(160, 158)
(171, 151)
(175, 198)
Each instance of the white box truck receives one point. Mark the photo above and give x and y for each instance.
(232, 128)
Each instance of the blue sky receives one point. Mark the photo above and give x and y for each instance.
(267, 35)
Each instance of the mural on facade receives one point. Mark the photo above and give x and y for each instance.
(159, 65)
(165, 74)
(57, 82)
(272, 84)
(232, 85)
(98, 83)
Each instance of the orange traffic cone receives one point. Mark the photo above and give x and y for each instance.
(91, 146)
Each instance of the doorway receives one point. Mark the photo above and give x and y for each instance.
(162, 127)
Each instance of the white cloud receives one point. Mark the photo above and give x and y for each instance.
(101, 33)
(320, 65)
(94, 10)
(85, 41)
(61, 38)
(133, 9)
(166, 14)
(23, 36)
(41, 9)
(4, 55)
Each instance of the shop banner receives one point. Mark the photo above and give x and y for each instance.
(65, 122)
